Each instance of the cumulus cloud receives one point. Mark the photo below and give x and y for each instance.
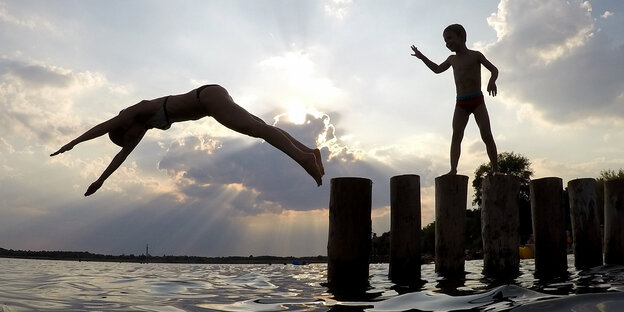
(337, 8)
(606, 14)
(260, 177)
(30, 22)
(252, 177)
(37, 98)
(551, 56)
(34, 75)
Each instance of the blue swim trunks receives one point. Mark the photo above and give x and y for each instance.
(470, 102)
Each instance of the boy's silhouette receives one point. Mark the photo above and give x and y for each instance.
(467, 72)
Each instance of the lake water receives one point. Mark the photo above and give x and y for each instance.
(39, 285)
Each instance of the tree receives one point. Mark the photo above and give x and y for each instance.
(517, 165)
(605, 175)
(609, 174)
(428, 239)
(508, 163)
(380, 249)
(474, 241)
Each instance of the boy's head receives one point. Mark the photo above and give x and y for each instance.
(456, 29)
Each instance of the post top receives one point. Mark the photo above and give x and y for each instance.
(350, 179)
(501, 176)
(447, 177)
(617, 181)
(580, 180)
(547, 179)
(405, 176)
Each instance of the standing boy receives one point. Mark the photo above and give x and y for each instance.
(467, 72)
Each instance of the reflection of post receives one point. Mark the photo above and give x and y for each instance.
(614, 219)
(349, 240)
(549, 227)
(585, 223)
(450, 228)
(405, 229)
(499, 226)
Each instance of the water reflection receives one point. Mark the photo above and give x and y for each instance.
(30, 285)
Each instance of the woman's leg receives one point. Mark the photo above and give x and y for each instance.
(299, 145)
(224, 110)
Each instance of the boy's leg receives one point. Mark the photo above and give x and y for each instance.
(483, 121)
(460, 119)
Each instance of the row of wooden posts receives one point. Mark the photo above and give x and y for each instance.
(349, 240)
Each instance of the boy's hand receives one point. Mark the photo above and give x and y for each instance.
(491, 88)
(416, 52)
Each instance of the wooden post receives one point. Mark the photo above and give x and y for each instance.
(451, 193)
(549, 227)
(585, 223)
(405, 226)
(614, 221)
(349, 240)
(500, 222)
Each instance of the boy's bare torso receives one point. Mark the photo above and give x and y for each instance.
(467, 71)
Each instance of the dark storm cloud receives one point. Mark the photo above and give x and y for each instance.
(34, 75)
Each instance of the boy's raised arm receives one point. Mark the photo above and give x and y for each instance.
(433, 66)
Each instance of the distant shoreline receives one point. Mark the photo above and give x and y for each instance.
(87, 256)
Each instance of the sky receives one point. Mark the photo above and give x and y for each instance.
(336, 74)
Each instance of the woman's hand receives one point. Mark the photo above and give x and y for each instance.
(94, 187)
(63, 149)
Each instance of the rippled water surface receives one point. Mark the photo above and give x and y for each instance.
(34, 285)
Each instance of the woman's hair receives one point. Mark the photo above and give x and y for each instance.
(457, 29)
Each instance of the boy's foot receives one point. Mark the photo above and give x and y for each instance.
(452, 172)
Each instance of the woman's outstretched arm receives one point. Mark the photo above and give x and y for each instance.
(92, 133)
(130, 142)
(131, 139)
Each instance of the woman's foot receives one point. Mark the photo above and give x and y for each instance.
(310, 164)
(319, 160)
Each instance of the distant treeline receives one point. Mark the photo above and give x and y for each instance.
(87, 256)
(380, 249)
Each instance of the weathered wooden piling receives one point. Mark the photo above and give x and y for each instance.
(405, 226)
(614, 221)
(450, 228)
(548, 227)
(585, 223)
(499, 226)
(349, 240)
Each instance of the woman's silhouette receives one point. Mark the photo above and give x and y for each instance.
(128, 128)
